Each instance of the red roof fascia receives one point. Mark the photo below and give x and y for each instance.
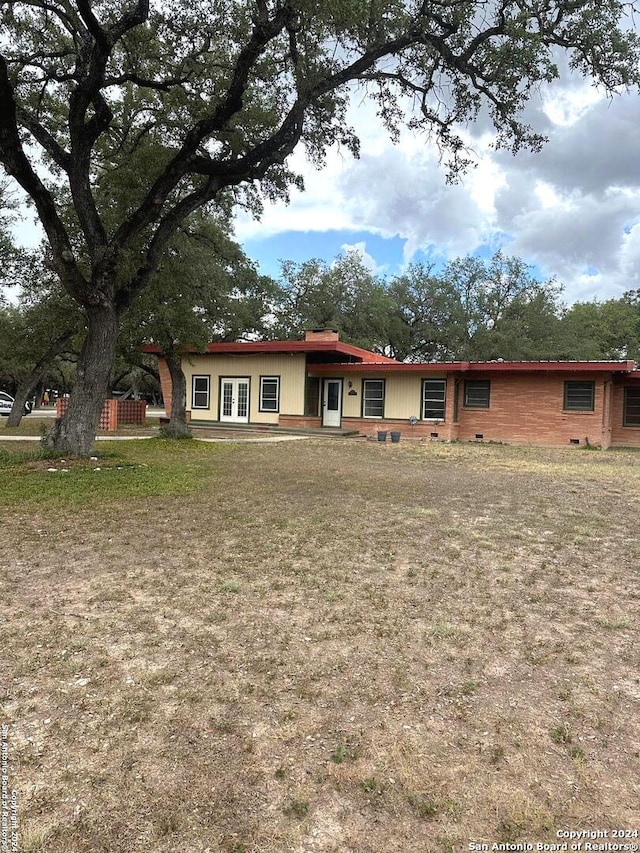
(552, 366)
(284, 347)
(297, 347)
(481, 367)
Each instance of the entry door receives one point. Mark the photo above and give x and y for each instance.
(332, 403)
(234, 401)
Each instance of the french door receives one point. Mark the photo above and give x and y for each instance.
(234, 400)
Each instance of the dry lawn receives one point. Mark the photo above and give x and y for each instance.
(329, 646)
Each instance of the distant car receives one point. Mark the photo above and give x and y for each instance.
(6, 404)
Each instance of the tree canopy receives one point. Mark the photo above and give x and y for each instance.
(343, 294)
(203, 101)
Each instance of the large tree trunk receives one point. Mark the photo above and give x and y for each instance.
(74, 433)
(177, 426)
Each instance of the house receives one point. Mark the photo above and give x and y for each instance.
(321, 382)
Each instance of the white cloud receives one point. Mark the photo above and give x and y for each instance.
(367, 260)
(572, 210)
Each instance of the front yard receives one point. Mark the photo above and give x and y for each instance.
(320, 646)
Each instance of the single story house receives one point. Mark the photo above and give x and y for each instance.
(321, 382)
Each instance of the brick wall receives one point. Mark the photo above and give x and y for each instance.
(114, 412)
(321, 335)
(421, 429)
(165, 383)
(132, 412)
(300, 421)
(528, 409)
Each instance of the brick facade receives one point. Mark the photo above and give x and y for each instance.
(165, 383)
(114, 413)
(321, 335)
(525, 408)
(528, 409)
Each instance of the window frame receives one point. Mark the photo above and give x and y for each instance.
(424, 400)
(477, 384)
(625, 406)
(195, 393)
(566, 407)
(261, 399)
(365, 399)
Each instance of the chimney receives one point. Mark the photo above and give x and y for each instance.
(322, 335)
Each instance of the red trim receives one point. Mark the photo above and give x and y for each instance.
(479, 367)
(256, 347)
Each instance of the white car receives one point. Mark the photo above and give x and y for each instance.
(6, 404)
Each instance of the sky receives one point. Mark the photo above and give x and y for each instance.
(571, 211)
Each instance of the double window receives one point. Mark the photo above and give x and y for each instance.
(579, 396)
(477, 393)
(373, 398)
(631, 416)
(269, 394)
(433, 399)
(200, 392)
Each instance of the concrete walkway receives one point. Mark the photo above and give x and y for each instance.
(238, 440)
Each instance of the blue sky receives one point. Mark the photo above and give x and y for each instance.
(301, 246)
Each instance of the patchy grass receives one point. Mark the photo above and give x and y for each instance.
(321, 646)
(29, 425)
(33, 425)
(37, 476)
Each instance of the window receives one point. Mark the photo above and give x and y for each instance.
(373, 398)
(200, 395)
(269, 394)
(579, 396)
(631, 407)
(476, 393)
(433, 399)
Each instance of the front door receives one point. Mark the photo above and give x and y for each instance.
(234, 400)
(332, 403)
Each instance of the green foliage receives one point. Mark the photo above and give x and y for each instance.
(339, 755)
(602, 330)
(206, 289)
(37, 330)
(474, 310)
(297, 808)
(344, 295)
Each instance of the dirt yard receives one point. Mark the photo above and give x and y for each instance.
(328, 646)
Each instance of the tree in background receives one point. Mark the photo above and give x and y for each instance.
(422, 319)
(35, 332)
(602, 330)
(204, 101)
(344, 295)
(474, 310)
(500, 310)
